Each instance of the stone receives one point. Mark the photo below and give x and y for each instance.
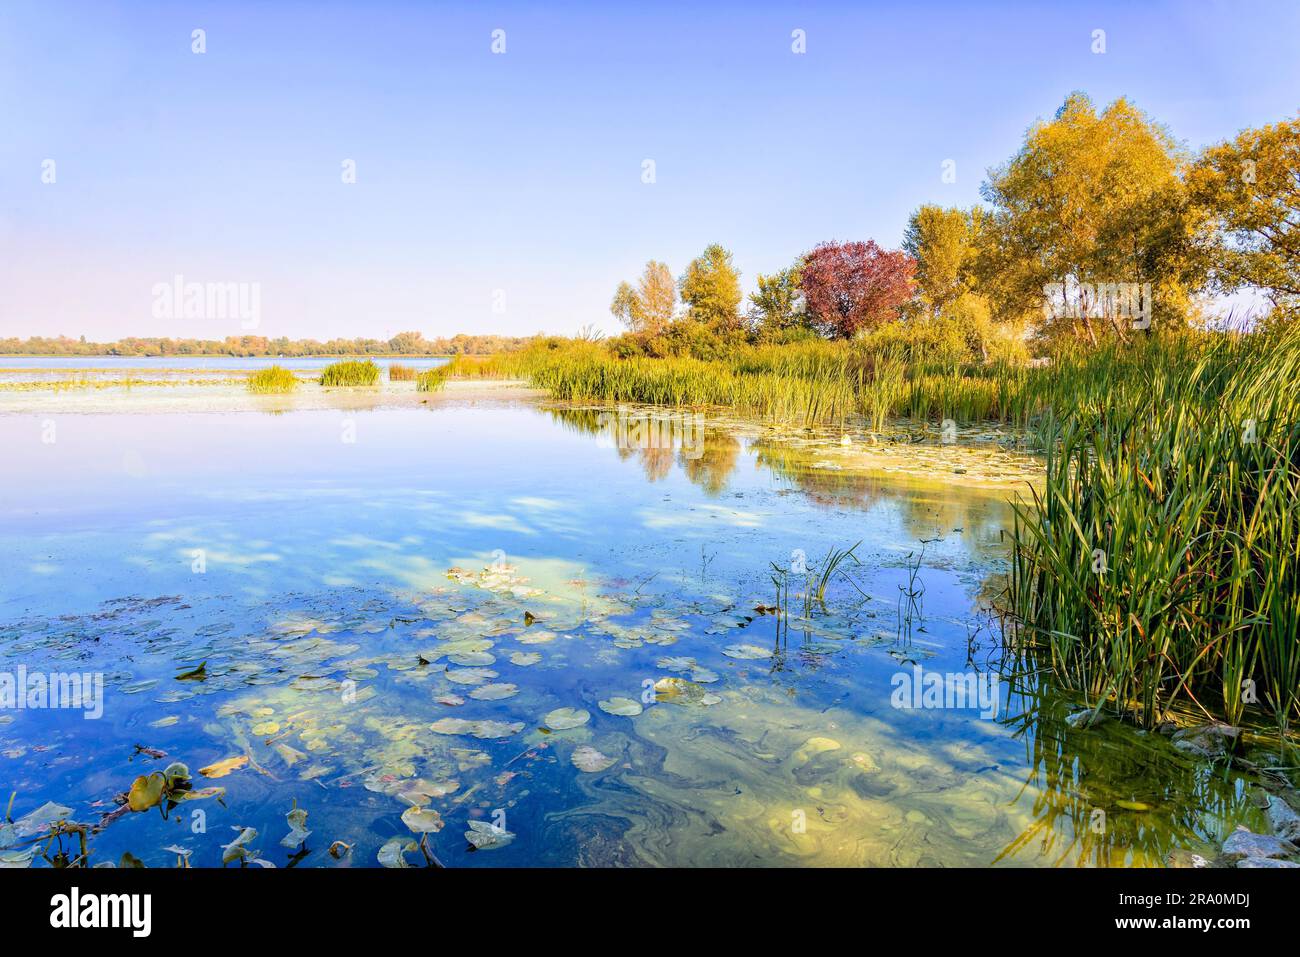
(1265, 862)
(1181, 857)
(1285, 820)
(1086, 718)
(1242, 843)
(1206, 741)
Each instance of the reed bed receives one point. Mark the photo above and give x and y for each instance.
(400, 373)
(809, 383)
(350, 372)
(1160, 569)
(272, 380)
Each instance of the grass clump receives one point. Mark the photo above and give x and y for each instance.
(434, 379)
(400, 373)
(274, 379)
(350, 372)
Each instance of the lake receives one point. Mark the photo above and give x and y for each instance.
(34, 369)
(544, 634)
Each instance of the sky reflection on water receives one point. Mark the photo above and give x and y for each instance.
(325, 562)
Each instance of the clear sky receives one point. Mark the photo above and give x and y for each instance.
(513, 181)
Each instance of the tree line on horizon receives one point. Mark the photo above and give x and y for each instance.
(1092, 200)
(247, 346)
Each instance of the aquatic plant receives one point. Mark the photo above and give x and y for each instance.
(808, 382)
(1160, 567)
(350, 372)
(432, 380)
(274, 379)
(400, 373)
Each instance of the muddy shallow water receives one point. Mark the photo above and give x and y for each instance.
(577, 635)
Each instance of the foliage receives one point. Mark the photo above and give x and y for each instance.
(1092, 198)
(650, 307)
(851, 287)
(777, 306)
(944, 243)
(1251, 188)
(711, 289)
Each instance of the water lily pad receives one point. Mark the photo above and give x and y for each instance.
(624, 707)
(487, 837)
(422, 820)
(452, 726)
(472, 658)
(497, 729)
(39, 821)
(563, 718)
(146, 792)
(525, 658)
(391, 854)
(471, 676)
(494, 692)
(479, 729)
(586, 758)
(747, 652)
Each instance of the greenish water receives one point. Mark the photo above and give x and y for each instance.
(389, 602)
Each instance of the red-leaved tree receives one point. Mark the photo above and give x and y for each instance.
(854, 286)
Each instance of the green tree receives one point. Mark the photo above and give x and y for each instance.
(711, 289)
(777, 305)
(1092, 200)
(650, 307)
(944, 243)
(1249, 188)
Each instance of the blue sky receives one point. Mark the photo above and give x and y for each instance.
(514, 181)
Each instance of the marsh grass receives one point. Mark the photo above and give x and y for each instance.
(432, 380)
(350, 372)
(809, 383)
(272, 380)
(400, 373)
(1160, 568)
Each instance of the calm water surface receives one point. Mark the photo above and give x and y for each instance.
(388, 605)
(26, 369)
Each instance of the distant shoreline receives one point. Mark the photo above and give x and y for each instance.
(227, 355)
